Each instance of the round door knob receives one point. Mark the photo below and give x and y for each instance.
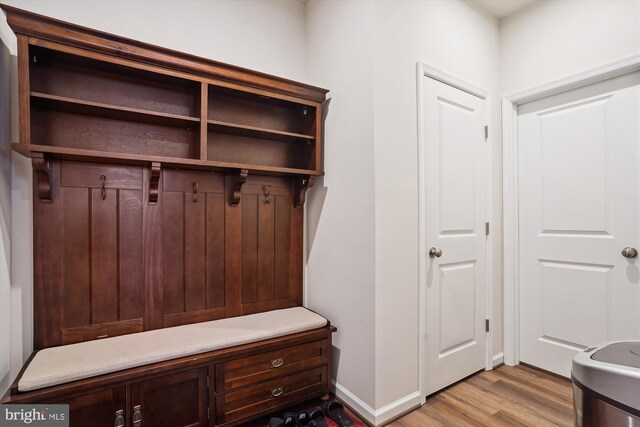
(435, 252)
(629, 252)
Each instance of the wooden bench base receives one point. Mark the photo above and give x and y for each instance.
(225, 387)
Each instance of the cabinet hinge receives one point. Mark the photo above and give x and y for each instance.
(486, 325)
(208, 385)
(486, 228)
(486, 132)
(208, 413)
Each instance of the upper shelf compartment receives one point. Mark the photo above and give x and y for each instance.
(252, 113)
(83, 79)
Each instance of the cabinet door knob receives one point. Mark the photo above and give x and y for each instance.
(629, 252)
(276, 363)
(277, 391)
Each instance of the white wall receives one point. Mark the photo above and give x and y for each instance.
(364, 275)
(456, 37)
(5, 217)
(267, 36)
(340, 209)
(554, 39)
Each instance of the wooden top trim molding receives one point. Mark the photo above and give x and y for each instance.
(35, 25)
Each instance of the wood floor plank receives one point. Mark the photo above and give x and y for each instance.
(519, 396)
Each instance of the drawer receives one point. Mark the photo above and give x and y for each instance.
(254, 369)
(263, 397)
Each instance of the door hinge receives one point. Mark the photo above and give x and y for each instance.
(486, 132)
(486, 228)
(208, 413)
(486, 325)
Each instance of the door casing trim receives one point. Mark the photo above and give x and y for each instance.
(510, 181)
(422, 71)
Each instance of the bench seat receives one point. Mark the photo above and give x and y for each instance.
(58, 365)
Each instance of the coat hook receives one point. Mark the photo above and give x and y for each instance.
(195, 191)
(267, 191)
(103, 192)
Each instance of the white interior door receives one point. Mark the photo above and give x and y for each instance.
(456, 156)
(579, 198)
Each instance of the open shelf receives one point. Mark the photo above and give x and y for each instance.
(82, 78)
(98, 156)
(98, 109)
(218, 126)
(247, 110)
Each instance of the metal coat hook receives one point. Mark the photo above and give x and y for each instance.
(103, 192)
(195, 191)
(267, 192)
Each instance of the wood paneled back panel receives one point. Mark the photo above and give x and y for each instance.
(271, 245)
(193, 246)
(213, 260)
(88, 248)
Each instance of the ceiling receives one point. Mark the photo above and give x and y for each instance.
(503, 8)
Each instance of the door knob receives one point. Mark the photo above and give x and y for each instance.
(629, 252)
(435, 252)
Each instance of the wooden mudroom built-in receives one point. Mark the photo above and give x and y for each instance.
(168, 232)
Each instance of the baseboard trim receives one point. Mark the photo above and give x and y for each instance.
(398, 408)
(380, 416)
(498, 359)
(363, 410)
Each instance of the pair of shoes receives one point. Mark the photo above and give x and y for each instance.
(334, 410)
(301, 420)
(317, 418)
(291, 419)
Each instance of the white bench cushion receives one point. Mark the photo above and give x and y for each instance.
(58, 365)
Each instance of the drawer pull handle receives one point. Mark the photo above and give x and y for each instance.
(277, 392)
(276, 363)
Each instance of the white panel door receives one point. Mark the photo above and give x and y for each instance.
(579, 207)
(456, 180)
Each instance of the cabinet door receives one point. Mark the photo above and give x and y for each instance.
(97, 409)
(193, 247)
(176, 400)
(271, 245)
(88, 282)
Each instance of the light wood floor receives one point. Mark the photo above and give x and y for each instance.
(506, 396)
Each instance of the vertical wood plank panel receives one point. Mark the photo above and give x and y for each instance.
(282, 243)
(232, 253)
(104, 256)
(194, 252)
(130, 255)
(249, 240)
(295, 254)
(47, 265)
(215, 250)
(76, 278)
(152, 252)
(173, 252)
(266, 247)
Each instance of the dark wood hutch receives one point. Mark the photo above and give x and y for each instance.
(168, 190)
